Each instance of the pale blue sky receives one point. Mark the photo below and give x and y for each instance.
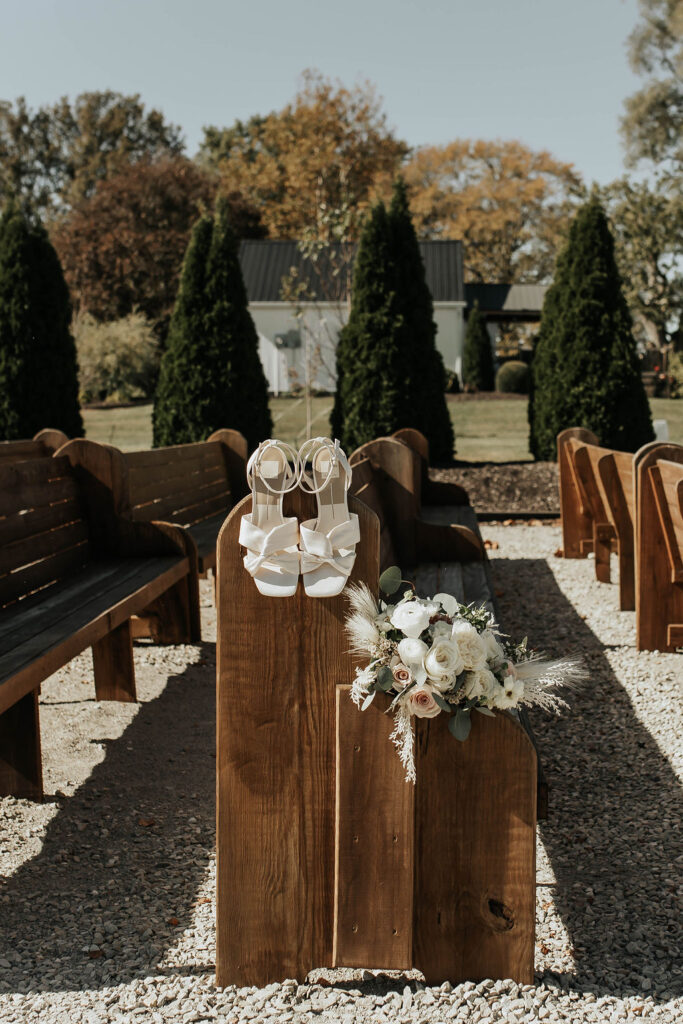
(552, 73)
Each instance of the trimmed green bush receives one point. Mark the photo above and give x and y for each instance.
(389, 371)
(211, 375)
(513, 378)
(38, 368)
(585, 369)
(477, 360)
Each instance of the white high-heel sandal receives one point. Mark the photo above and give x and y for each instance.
(328, 543)
(271, 539)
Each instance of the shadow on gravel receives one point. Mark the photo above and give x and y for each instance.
(124, 856)
(613, 830)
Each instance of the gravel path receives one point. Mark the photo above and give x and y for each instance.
(106, 890)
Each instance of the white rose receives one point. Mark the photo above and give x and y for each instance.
(443, 662)
(440, 629)
(421, 702)
(411, 617)
(402, 675)
(480, 683)
(412, 652)
(447, 602)
(510, 693)
(470, 645)
(493, 650)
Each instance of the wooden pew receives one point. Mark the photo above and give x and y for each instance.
(659, 543)
(72, 574)
(433, 492)
(46, 442)
(449, 532)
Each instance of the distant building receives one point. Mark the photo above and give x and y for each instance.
(298, 338)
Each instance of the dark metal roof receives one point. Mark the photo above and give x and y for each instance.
(507, 301)
(265, 263)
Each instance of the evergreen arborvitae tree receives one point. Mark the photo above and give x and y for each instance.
(211, 375)
(389, 371)
(585, 369)
(477, 361)
(38, 365)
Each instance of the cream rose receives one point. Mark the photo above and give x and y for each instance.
(492, 649)
(469, 644)
(402, 676)
(479, 683)
(421, 702)
(510, 693)
(411, 617)
(411, 653)
(442, 663)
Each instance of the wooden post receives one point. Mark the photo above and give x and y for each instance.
(112, 659)
(577, 526)
(21, 773)
(279, 662)
(235, 453)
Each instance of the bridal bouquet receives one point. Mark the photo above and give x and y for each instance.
(435, 655)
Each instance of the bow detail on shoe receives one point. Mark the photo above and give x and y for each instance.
(267, 549)
(336, 548)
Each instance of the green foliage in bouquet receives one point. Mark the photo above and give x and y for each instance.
(211, 375)
(585, 369)
(38, 368)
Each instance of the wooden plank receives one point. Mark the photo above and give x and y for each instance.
(40, 574)
(179, 507)
(21, 773)
(160, 483)
(577, 525)
(17, 451)
(154, 458)
(51, 440)
(33, 547)
(399, 479)
(658, 601)
(279, 663)
(24, 524)
(615, 475)
(475, 873)
(374, 842)
(235, 451)
(447, 543)
(17, 494)
(440, 578)
(112, 658)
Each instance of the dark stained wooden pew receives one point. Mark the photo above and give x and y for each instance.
(72, 574)
(659, 545)
(45, 443)
(433, 492)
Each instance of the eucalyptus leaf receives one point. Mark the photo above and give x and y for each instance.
(460, 724)
(485, 711)
(390, 580)
(385, 678)
(368, 700)
(443, 704)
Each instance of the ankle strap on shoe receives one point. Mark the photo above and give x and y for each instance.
(309, 450)
(291, 474)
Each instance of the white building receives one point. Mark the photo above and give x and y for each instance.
(298, 339)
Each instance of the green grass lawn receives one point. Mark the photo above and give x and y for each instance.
(485, 430)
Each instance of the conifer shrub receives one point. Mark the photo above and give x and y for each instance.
(211, 374)
(513, 378)
(585, 369)
(38, 367)
(389, 372)
(477, 361)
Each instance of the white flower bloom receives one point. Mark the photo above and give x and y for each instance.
(510, 693)
(411, 652)
(470, 645)
(411, 617)
(440, 629)
(493, 650)
(421, 702)
(480, 683)
(447, 602)
(443, 662)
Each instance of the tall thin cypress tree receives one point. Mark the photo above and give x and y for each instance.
(211, 375)
(38, 365)
(477, 362)
(585, 368)
(389, 371)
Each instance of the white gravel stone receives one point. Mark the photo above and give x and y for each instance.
(107, 889)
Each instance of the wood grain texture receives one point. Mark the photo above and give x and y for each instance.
(235, 453)
(21, 773)
(434, 492)
(585, 458)
(278, 665)
(657, 598)
(113, 667)
(374, 841)
(577, 525)
(475, 817)
(398, 472)
(615, 475)
(365, 486)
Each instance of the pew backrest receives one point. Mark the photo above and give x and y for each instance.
(577, 521)
(45, 443)
(667, 484)
(184, 484)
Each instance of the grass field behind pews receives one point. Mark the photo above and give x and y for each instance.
(486, 430)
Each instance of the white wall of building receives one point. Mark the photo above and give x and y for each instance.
(319, 327)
